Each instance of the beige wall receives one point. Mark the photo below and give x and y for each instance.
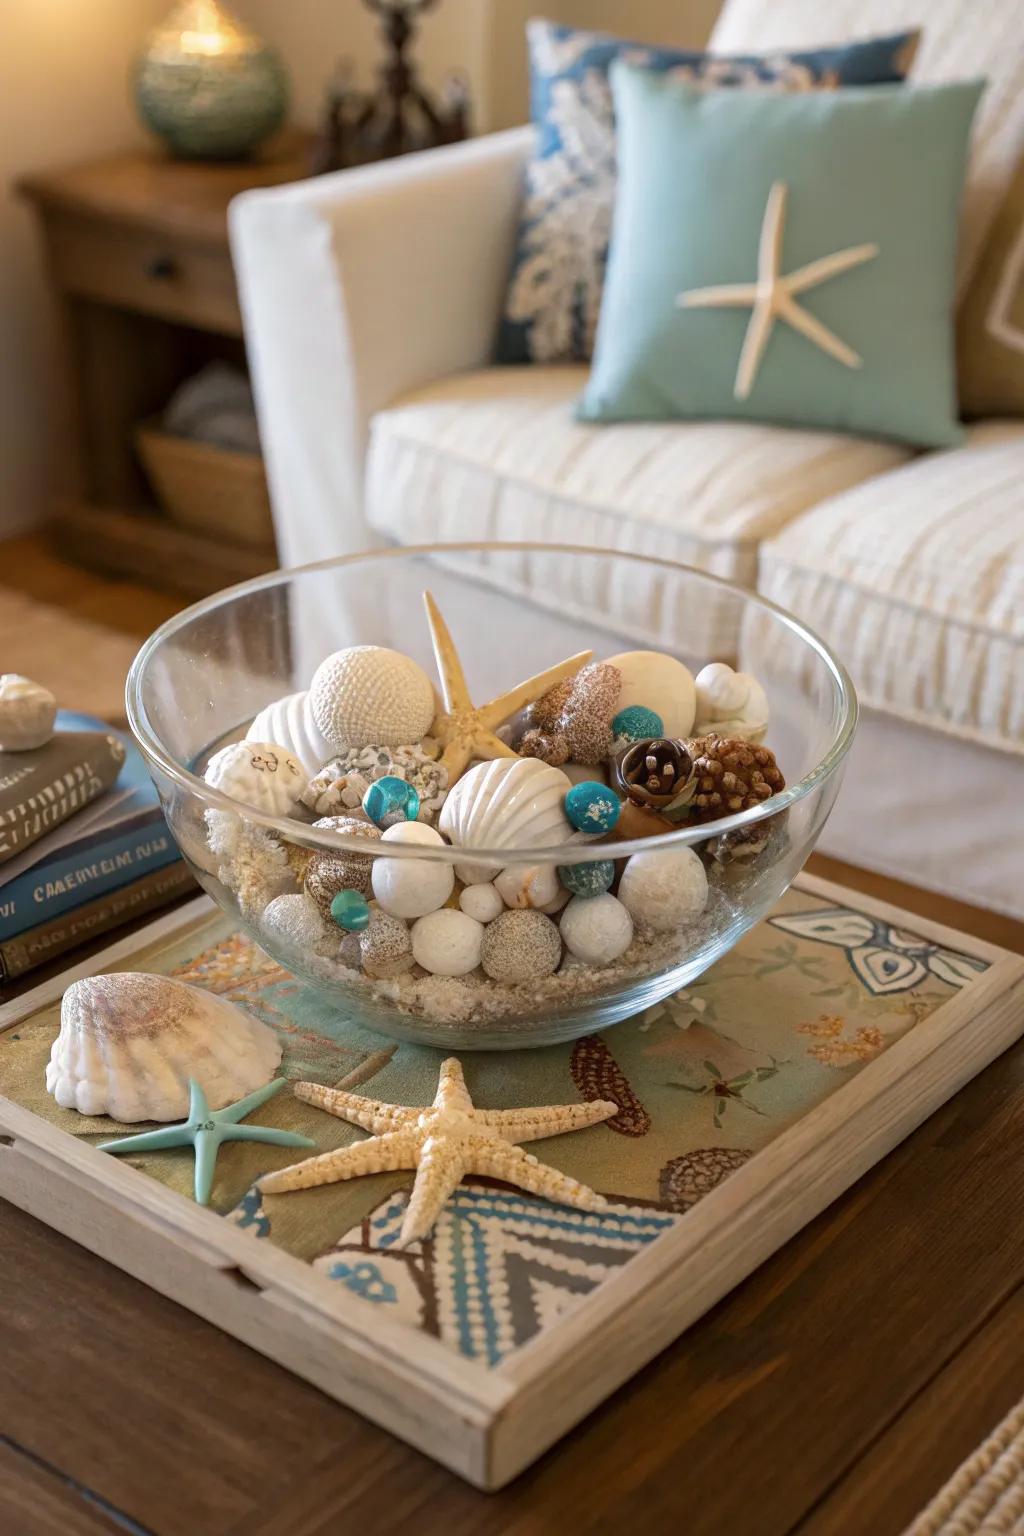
(483, 39)
(64, 96)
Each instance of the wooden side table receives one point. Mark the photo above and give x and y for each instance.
(137, 245)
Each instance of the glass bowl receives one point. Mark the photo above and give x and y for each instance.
(512, 611)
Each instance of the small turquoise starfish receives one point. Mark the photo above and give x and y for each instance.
(206, 1128)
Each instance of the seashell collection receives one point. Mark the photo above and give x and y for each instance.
(587, 752)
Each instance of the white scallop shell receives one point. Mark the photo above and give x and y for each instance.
(129, 1043)
(289, 721)
(661, 683)
(259, 773)
(368, 695)
(512, 802)
(27, 713)
(730, 703)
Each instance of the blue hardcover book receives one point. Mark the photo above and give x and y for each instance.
(111, 842)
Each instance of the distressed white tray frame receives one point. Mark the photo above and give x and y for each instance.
(488, 1424)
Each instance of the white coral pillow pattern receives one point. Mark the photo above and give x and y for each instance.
(554, 294)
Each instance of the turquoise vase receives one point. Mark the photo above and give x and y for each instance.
(210, 88)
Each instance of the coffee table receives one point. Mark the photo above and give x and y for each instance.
(859, 1315)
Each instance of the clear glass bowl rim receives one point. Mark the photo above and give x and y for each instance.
(306, 835)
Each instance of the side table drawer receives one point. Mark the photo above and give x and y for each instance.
(154, 274)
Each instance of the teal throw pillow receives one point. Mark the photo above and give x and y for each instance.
(554, 291)
(784, 258)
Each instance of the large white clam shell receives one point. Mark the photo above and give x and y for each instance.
(730, 703)
(512, 802)
(129, 1043)
(259, 773)
(289, 722)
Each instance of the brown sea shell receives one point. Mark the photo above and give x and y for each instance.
(573, 722)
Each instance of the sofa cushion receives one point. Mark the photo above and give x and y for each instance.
(961, 40)
(822, 191)
(498, 455)
(562, 246)
(917, 582)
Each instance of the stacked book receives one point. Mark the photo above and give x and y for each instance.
(112, 860)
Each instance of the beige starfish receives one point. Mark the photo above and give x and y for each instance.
(772, 297)
(443, 1143)
(464, 730)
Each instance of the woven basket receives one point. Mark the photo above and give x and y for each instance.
(213, 490)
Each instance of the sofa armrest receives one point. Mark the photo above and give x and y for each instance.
(355, 288)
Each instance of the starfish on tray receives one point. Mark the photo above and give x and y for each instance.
(466, 731)
(444, 1143)
(773, 296)
(206, 1128)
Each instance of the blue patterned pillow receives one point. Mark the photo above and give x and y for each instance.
(554, 293)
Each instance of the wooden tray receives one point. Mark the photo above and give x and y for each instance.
(488, 1421)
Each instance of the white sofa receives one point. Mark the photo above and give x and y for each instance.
(371, 300)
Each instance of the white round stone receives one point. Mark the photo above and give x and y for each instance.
(481, 901)
(665, 889)
(27, 713)
(411, 888)
(530, 885)
(447, 943)
(258, 773)
(369, 695)
(597, 929)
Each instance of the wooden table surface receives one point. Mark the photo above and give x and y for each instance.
(831, 1394)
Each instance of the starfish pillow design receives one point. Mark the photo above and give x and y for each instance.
(443, 1143)
(773, 296)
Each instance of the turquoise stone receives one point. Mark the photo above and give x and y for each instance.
(587, 879)
(350, 911)
(637, 723)
(592, 807)
(390, 800)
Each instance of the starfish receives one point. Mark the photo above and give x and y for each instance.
(464, 730)
(444, 1143)
(773, 296)
(206, 1128)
